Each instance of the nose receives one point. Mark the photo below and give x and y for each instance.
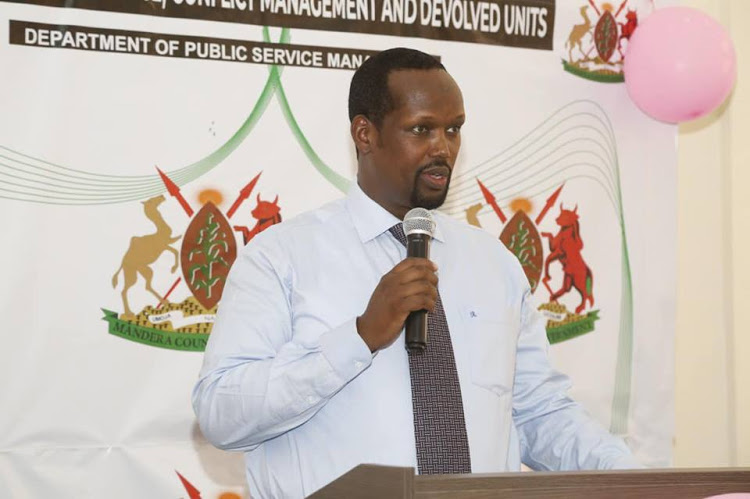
(440, 145)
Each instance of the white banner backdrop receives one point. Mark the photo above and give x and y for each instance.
(98, 372)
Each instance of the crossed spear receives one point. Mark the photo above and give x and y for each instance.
(490, 198)
(174, 191)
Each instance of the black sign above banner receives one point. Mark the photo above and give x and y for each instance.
(512, 23)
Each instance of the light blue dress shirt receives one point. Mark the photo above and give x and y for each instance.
(287, 379)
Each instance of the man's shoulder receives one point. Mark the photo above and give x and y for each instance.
(466, 232)
(474, 239)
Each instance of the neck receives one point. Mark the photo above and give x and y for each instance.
(394, 209)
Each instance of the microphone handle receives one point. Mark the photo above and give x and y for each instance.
(417, 245)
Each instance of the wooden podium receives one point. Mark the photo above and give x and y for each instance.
(386, 482)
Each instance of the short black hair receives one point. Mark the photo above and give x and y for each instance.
(368, 92)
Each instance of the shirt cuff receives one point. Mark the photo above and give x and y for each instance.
(345, 350)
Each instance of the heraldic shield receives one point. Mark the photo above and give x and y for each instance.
(208, 251)
(521, 237)
(606, 36)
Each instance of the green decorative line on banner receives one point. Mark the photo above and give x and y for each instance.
(241, 134)
(492, 175)
(187, 342)
(624, 367)
(153, 185)
(69, 186)
(599, 77)
(573, 329)
(337, 180)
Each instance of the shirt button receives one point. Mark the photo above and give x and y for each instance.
(358, 365)
(311, 399)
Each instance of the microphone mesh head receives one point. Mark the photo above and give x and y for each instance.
(419, 221)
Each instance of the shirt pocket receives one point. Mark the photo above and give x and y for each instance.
(492, 350)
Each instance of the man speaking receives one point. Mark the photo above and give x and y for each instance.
(306, 369)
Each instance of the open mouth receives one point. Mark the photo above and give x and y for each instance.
(436, 176)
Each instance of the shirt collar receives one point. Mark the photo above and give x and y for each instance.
(370, 219)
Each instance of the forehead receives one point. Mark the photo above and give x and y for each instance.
(432, 90)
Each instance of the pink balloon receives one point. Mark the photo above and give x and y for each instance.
(679, 65)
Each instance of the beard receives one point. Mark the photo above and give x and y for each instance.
(428, 200)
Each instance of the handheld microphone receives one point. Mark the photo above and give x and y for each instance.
(419, 228)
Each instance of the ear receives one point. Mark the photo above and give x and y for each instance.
(276, 200)
(258, 198)
(363, 133)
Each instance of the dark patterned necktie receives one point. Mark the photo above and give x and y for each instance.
(439, 425)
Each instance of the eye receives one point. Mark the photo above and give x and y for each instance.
(419, 129)
(455, 129)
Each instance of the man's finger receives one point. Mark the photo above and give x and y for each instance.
(413, 261)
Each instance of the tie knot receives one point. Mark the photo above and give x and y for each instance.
(398, 232)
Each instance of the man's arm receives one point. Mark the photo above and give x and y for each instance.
(257, 380)
(555, 432)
